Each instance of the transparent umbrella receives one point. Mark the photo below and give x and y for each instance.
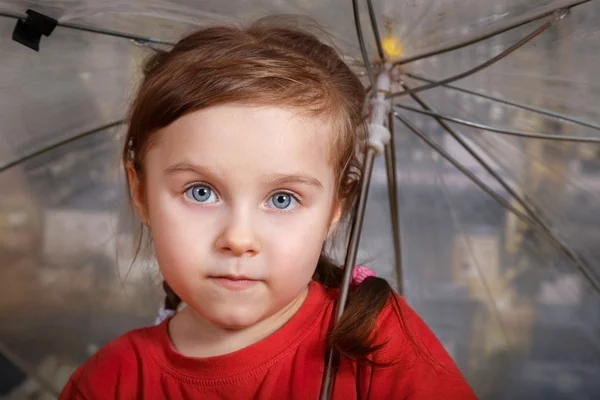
(494, 171)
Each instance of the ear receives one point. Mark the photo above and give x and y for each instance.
(136, 194)
(336, 215)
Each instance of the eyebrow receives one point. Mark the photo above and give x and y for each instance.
(185, 166)
(276, 179)
(283, 179)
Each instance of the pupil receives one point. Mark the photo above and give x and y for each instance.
(201, 193)
(282, 201)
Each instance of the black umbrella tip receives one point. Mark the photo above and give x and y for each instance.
(29, 31)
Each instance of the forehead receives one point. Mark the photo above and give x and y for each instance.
(249, 138)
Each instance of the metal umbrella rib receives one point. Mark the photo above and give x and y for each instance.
(544, 27)
(551, 114)
(100, 31)
(586, 273)
(486, 36)
(60, 144)
(510, 132)
(390, 163)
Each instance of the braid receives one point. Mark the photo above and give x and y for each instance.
(352, 336)
(172, 301)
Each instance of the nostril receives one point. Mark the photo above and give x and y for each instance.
(238, 243)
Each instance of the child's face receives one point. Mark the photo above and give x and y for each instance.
(238, 192)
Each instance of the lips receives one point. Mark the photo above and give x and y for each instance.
(234, 282)
(235, 277)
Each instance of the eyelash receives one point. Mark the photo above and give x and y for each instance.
(292, 195)
(191, 185)
(287, 192)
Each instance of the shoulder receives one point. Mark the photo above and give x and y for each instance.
(123, 350)
(400, 332)
(413, 356)
(99, 375)
(398, 316)
(404, 335)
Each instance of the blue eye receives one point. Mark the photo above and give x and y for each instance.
(201, 194)
(283, 201)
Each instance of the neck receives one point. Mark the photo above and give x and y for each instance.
(194, 336)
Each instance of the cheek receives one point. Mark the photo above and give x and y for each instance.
(294, 245)
(179, 234)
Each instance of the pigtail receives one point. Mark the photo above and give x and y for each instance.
(172, 301)
(353, 336)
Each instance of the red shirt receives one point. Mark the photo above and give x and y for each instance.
(289, 364)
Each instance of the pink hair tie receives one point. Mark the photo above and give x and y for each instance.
(360, 273)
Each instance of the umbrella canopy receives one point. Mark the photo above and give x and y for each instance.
(511, 293)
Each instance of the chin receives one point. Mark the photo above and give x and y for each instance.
(235, 319)
(235, 325)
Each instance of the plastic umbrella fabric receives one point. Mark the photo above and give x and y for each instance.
(494, 170)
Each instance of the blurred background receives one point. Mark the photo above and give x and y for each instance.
(515, 313)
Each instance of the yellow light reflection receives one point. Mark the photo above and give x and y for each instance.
(392, 47)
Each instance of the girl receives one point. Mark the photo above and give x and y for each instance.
(242, 158)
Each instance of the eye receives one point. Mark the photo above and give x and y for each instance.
(201, 194)
(283, 201)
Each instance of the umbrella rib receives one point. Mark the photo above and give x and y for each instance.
(142, 39)
(471, 254)
(361, 42)
(484, 65)
(588, 275)
(59, 144)
(375, 29)
(101, 31)
(390, 163)
(485, 36)
(356, 224)
(521, 200)
(510, 132)
(29, 370)
(349, 262)
(478, 158)
(510, 103)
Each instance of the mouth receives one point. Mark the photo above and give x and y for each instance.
(234, 282)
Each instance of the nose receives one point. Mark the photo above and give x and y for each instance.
(238, 238)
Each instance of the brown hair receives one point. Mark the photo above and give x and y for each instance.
(268, 63)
